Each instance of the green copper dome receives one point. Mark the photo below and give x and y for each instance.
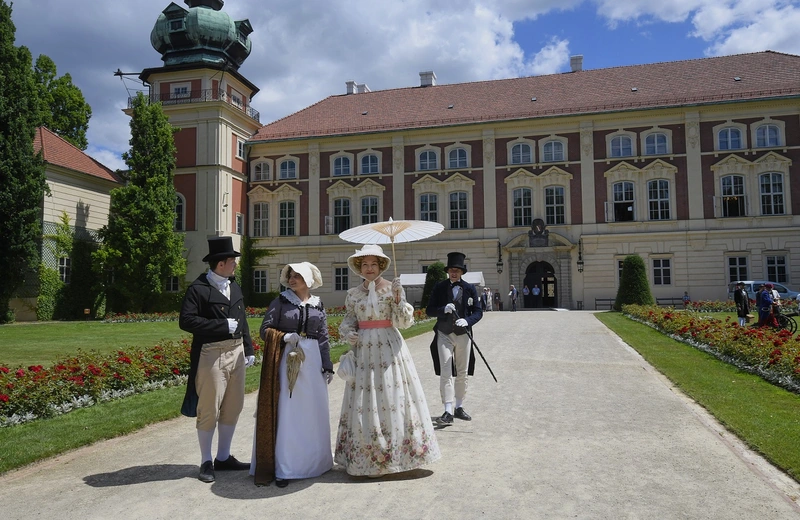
(201, 34)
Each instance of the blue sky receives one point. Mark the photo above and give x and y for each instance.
(306, 51)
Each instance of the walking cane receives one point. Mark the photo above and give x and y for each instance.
(469, 335)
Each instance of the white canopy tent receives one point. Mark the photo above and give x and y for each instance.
(418, 279)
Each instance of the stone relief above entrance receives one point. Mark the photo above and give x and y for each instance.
(538, 236)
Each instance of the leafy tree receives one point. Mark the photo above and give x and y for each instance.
(140, 248)
(22, 178)
(62, 106)
(434, 275)
(244, 273)
(633, 285)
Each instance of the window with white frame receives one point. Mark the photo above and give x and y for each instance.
(620, 264)
(369, 164)
(181, 90)
(553, 151)
(521, 154)
(176, 24)
(662, 271)
(262, 172)
(771, 190)
(288, 169)
(341, 215)
(260, 282)
(237, 98)
(621, 146)
(180, 213)
(341, 278)
(65, 269)
(286, 219)
(555, 205)
(768, 135)
(260, 219)
(341, 166)
(369, 210)
(239, 224)
(172, 284)
(733, 196)
(623, 201)
(776, 269)
(429, 207)
(240, 148)
(458, 210)
(658, 199)
(737, 268)
(428, 160)
(655, 144)
(523, 207)
(729, 139)
(457, 158)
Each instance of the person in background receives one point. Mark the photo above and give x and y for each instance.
(766, 316)
(742, 302)
(454, 303)
(537, 296)
(385, 425)
(686, 300)
(512, 294)
(213, 312)
(293, 433)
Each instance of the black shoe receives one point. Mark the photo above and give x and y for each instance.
(281, 482)
(446, 418)
(461, 414)
(230, 464)
(207, 472)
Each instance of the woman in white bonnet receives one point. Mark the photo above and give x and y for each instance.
(301, 440)
(385, 426)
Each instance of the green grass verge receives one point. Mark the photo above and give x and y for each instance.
(37, 440)
(764, 416)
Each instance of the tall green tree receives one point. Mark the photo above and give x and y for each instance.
(63, 108)
(22, 178)
(435, 274)
(140, 248)
(633, 285)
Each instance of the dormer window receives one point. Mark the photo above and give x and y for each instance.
(176, 25)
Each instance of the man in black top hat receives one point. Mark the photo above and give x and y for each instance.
(455, 304)
(213, 311)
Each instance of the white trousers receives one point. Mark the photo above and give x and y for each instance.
(450, 346)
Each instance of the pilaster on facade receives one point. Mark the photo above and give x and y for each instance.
(694, 166)
(489, 176)
(587, 173)
(314, 193)
(399, 180)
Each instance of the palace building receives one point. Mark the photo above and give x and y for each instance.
(546, 180)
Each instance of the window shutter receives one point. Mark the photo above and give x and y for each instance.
(609, 211)
(328, 225)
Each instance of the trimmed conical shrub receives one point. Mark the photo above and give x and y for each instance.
(633, 285)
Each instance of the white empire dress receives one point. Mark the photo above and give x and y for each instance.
(385, 426)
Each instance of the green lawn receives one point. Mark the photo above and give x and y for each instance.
(764, 416)
(36, 440)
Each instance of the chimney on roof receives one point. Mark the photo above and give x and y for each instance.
(362, 87)
(576, 62)
(427, 79)
(351, 87)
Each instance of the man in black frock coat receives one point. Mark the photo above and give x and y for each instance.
(213, 311)
(455, 304)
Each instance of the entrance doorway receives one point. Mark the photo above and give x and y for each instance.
(541, 275)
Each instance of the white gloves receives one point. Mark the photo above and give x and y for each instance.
(328, 377)
(461, 322)
(249, 361)
(397, 289)
(352, 337)
(232, 325)
(449, 308)
(291, 338)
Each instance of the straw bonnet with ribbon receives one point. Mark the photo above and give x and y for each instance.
(307, 270)
(368, 250)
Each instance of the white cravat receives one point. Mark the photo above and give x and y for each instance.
(220, 282)
(372, 298)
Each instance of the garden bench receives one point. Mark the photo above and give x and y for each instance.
(670, 302)
(605, 302)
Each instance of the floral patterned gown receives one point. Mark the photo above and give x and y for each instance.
(385, 426)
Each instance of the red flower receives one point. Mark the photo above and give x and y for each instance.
(124, 359)
(4, 370)
(4, 398)
(20, 373)
(35, 368)
(176, 371)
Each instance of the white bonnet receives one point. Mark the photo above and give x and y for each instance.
(307, 270)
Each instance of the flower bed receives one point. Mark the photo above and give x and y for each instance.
(769, 353)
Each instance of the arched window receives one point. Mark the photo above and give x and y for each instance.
(730, 139)
(180, 213)
(621, 146)
(369, 164)
(767, 135)
(288, 170)
(655, 144)
(521, 154)
(261, 172)
(341, 166)
(553, 151)
(457, 158)
(428, 160)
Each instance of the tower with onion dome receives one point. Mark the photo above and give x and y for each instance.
(205, 96)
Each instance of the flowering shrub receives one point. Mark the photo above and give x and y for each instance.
(138, 317)
(713, 306)
(32, 392)
(772, 354)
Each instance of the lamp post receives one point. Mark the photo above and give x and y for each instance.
(580, 255)
(499, 259)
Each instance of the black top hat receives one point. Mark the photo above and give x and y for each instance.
(456, 260)
(220, 248)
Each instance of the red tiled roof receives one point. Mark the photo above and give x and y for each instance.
(59, 152)
(765, 74)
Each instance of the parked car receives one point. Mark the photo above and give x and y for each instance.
(751, 286)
